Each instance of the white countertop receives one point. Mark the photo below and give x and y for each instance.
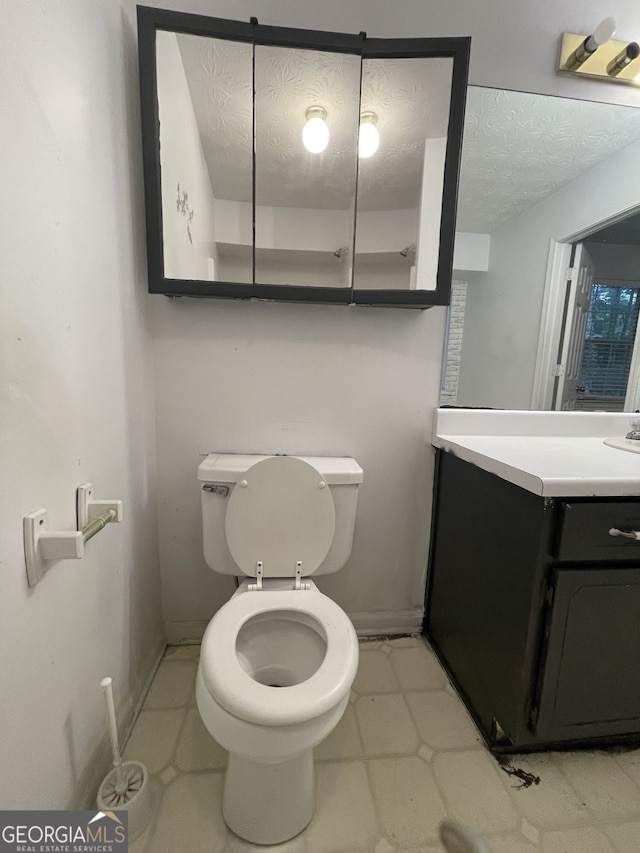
(552, 454)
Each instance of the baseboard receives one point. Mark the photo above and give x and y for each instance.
(366, 624)
(184, 633)
(388, 622)
(135, 713)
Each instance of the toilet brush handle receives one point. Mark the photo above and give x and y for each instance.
(121, 782)
(111, 719)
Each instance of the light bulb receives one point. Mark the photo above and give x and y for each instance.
(368, 136)
(601, 35)
(315, 133)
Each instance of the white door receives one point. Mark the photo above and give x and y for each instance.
(632, 400)
(576, 311)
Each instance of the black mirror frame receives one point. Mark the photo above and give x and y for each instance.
(150, 20)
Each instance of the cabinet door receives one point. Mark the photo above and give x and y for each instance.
(590, 672)
(413, 94)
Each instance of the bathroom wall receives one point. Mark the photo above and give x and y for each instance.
(503, 308)
(76, 395)
(614, 261)
(77, 379)
(361, 381)
(269, 378)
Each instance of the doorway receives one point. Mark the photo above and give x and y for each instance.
(593, 363)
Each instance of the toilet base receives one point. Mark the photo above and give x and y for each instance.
(269, 803)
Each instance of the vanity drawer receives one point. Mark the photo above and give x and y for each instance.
(584, 531)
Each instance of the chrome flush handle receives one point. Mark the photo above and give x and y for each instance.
(628, 534)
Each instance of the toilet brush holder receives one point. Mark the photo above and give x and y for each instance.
(127, 786)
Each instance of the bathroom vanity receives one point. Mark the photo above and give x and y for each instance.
(533, 600)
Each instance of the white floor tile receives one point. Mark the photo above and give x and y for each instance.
(238, 845)
(343, 742)
(421, 849)
(587, 839)
(423, 760)
(512, 844)
(625, 836)
(345, 817)
(197, 750)
(417, 668)
(154, 738)
(191, 816)
(385, 725)
(375, 674)
(473, 791)
(409, 805)
(604, 787)
(630, 763)
(442, 720)
(173, 685)
(552, 802)
(141, 843)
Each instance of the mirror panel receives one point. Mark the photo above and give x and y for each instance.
(205, 104)
(305, 201)
(536, 170)
(397, 246)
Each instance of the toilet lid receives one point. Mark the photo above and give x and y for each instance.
(281, 512)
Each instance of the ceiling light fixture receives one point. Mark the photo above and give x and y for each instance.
(315, 133)
(368, 135)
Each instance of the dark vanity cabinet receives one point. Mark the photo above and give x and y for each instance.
(534, 609)
(299, 165)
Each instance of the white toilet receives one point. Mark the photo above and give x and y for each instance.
(278, 659)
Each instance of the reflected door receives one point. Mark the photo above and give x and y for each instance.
(572, 344)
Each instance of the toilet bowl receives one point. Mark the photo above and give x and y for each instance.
(278, 659)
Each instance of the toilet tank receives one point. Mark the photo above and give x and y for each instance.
(218, 474)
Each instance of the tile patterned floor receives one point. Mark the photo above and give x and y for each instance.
(404, 756)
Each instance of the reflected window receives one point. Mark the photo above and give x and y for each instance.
(610, 334)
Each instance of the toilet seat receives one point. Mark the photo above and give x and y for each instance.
(234, 689)
(279, 515)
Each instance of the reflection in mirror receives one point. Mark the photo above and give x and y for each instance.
(305, 198)
(540, 176)
(397, 247)
(205, 108)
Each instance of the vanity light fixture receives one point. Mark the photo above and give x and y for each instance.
(598, 56)
(315, 133)
(368, 135)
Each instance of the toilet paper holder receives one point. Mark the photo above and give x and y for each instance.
(44, 547)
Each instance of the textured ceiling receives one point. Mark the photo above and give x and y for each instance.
(519, 148)
(410, 97)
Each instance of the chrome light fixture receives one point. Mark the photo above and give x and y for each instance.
(315, 133)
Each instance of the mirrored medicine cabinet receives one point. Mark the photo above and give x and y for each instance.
(297, 165)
